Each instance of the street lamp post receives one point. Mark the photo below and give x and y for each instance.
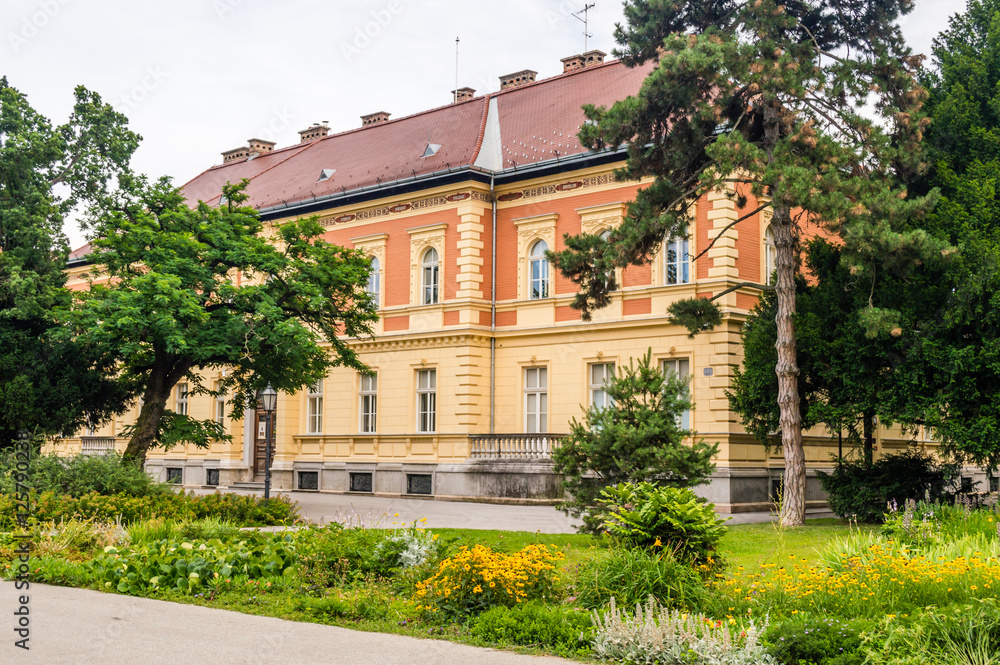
(269, 399)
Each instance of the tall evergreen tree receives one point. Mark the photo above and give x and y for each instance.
(48, 383)
(811, 107)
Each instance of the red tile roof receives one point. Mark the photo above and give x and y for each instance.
(536, 121)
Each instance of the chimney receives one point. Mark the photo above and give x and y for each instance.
(315, 132)
(582, 60)
(463, 94)
(517, 79)
(374, 118)
(260, 147)
(591, 58)
(235, 154)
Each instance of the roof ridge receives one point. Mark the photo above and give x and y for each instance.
(482, 128)
(583, 70)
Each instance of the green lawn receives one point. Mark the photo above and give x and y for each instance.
(750, 545)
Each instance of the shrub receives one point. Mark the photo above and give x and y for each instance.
(817, 640)
(408, 548)
(368, 602)
(647, 515)
(479, 578)
(861, 492)
(77, 536)
(564, 631)
(955, 635)
(638, 438)
(661, 636)
(188, 566)
(245, 510)
(922, 523)
(338, 556)
(634, 575)
(81, 475)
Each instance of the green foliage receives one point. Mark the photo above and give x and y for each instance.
(188, 566)
(929, 524)
(564, 631)
(48, 383)
(216, 290)
(815, 640)
(80, 475)
(857, 491)
(638, 438)
(955, 635)
(342, 556)
(695, 314)
(647, 515)
(247, 510)
(632, 575)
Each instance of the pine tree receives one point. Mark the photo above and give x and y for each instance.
(813, 108)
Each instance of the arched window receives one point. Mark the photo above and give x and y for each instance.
(605, 235)
(769, 256)
(429, 270)
(539, 287)
(375, 281)
(677, 261)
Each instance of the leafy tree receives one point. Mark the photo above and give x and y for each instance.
(638, 438)
(48, 383)
(767, 99)
(953, 381)
(178, 290)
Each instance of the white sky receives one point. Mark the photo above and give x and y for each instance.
(197, 77)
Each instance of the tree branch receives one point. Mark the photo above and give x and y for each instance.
(762, 287)
(729, 226)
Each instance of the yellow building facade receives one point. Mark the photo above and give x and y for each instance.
(480, 362)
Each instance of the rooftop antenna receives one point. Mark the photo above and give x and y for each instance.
(455, 94)
(586, 18)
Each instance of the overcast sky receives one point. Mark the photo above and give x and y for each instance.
(197, 77)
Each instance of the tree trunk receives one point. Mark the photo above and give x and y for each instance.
(869, 426)
(793, 505)
(148, 423)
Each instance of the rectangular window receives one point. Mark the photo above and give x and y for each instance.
(369, 403)
(361, 482)
(677, 261)
(220, 405)
(600, 376)
(314, 416)
(679, 367)
(175, 475)
(536, 400)
(427, 400)
(182, 399)
(994, 483)
(212, 477)
(308, 480)
(418, 483)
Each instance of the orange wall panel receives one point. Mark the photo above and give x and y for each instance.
(395, 323)
(507, 318)
(567, 313)
(638, 306)
(451, 318)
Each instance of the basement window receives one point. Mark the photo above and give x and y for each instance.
(308, 480)
(418, 483)
(212, 477)
(175, 475)
(361, 482)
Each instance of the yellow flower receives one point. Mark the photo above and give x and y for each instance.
(657, 543)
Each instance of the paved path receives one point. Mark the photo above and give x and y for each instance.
(80, 627)
(323, 508)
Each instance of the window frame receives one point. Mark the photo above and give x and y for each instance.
(593, 387)
(182, 399)
(536, 421)
(770, 255)
(368, 404)
(684, 420)
(374, 286)
(314, 408)
(682, 267)
(220, 405)
(427, 401)
(540, 261)
(430, 292)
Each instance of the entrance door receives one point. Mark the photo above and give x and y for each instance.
(263, 427)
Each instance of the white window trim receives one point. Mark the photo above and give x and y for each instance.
(541, 394)
(432, 286)
(431, 394)
(593, 388)
(679, 263)
(684, 421)
(374, 247)
(220, 406)
(368, 392)
(422, 239)
(544, 280)
(770, 254)
(529, 231)
(314, 408)
(181, 401)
